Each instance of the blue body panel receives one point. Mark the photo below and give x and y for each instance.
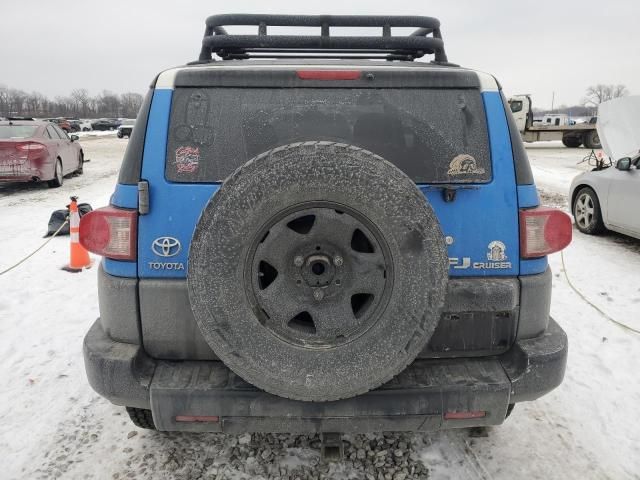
(125, 196)
(120, 268)
(528, 196)
(534, 266)
(174, 207)
(483, 213)
(480, 215)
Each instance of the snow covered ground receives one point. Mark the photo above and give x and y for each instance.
(554, 165)
(52, 425)
(95, 133)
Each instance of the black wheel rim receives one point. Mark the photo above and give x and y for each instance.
(318, 275)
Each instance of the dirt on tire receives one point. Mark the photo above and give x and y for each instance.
(411, 281)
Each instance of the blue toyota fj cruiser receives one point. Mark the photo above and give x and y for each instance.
(322, 234)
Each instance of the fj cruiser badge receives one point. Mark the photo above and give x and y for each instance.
(464, 164)
(496, 256)
(496, 251)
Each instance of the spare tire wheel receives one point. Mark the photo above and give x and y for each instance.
(318, 271)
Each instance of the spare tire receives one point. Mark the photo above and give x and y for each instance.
(317, 271)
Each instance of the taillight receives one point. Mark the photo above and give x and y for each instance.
(30, 147)
(110, 232)
(543, 231)
(328, 74)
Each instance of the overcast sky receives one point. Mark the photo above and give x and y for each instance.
(541, 47)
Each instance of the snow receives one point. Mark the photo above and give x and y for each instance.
(53, 425)
(554, 165)
(95, 133)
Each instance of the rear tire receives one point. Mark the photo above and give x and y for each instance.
(141, 417)
(587, 213)
(571, 141)
(591, 139)
(58, 178)
(80, 169)
(510, 408)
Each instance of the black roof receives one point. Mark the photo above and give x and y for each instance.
(426, 38)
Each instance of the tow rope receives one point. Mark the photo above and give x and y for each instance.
(37, 249)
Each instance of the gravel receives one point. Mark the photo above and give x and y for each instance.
(379, 456)
(279, 456)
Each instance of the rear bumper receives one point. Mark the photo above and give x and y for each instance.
(421, 398)
(16, 179)
(22, 172)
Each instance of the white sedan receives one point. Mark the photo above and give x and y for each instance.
(608, 197)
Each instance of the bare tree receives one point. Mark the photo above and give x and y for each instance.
(130, 103)
(109, 103)
(619, 91)
(64, 107)
(35, 104)
(596, 94)
(78, 104)
(4, 100)
(82, 101)
(16, 101)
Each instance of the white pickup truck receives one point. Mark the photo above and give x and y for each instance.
(571, 135)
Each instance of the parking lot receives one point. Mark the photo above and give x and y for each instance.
(52, 423)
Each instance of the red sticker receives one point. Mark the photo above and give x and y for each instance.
(187, 159)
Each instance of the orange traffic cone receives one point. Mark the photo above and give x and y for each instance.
(79, 256)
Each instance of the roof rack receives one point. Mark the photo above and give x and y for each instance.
(425, 40)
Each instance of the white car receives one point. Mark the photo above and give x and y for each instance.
(607, 197)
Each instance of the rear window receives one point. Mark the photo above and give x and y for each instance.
(17, 131)
(433, 135)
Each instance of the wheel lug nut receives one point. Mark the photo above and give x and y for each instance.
(298, 261)
(338, 261)
(318, 294)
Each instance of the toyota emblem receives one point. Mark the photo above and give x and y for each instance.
(166, 246)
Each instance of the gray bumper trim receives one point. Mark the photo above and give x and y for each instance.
(480, 317)
(120, 372)
(415, 400)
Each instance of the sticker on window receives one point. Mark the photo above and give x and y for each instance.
(187, 159)
(464, 164)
